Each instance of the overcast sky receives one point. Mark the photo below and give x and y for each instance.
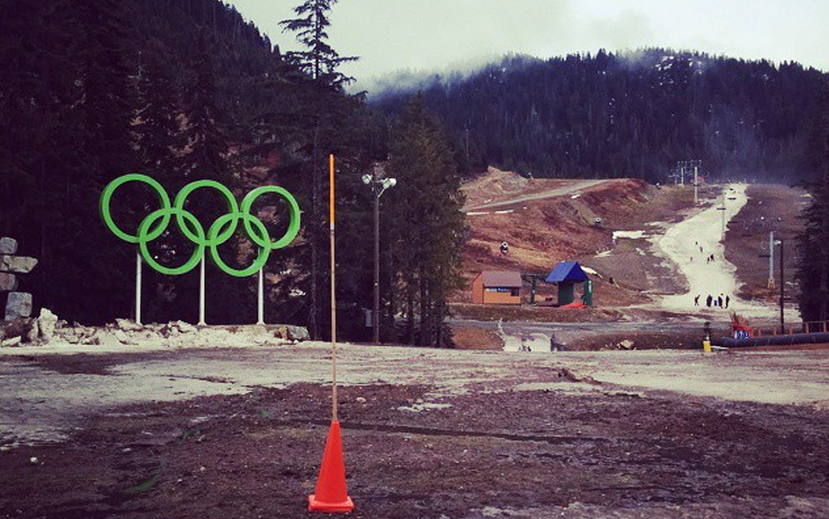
(440, 35)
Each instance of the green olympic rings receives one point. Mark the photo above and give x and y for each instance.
(106, 196)
(219, 232)
(293, 226)
(145, 236)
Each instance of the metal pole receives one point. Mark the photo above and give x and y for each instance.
(261, 298)
(782, 289)
(137, 287)
(375, 316)
(696, 186)
(771, 260)
(333, 295)
(682, 175)
(201, 292)
(723, 212)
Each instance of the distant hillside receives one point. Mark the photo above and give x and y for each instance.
(628, 115)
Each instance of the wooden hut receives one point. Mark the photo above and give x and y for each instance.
(497, 287)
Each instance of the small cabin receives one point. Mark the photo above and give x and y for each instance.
(497, 287)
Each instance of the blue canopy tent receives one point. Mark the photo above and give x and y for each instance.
(567, 274)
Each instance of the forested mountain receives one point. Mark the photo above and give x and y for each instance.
(631, 114)
(183, 90)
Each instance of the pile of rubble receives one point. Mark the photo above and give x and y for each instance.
(177, 334)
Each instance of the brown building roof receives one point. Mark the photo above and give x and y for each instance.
(502, 278)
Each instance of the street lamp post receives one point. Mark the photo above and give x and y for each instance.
(378, 186)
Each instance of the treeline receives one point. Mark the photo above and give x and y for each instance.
(184, 90)
(633, 114)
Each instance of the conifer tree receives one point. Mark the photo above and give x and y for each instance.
(159, 137)
(813, 266)
(320, 62)
(428, 221)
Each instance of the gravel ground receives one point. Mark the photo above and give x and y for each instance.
(427, 433)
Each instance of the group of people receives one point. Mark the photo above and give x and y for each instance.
(714, 301)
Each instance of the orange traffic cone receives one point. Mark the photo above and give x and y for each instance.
(331, 494)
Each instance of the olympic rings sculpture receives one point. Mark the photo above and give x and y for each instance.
(154, 224)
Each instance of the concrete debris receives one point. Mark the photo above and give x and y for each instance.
(127, 325)
(46, 323)
(627, 344)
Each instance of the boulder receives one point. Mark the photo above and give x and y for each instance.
(46, 323)
(8, 282)
(8, 245)
(19, 264)
(18, 304)
(297, 333)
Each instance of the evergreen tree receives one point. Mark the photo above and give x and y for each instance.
(428, 225)
(813, 266)
(159, 136)
(206, 144)
(320, 62)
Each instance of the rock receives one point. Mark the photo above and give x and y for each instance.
(14, 341)
(122, 337)
(19, 330)
(127, 325)
(361, 400)
(18, 304)
(184, 327)
(19, 264)
(8, 245)
(280, 332)
(297, 333)
(627, 344)
(46, 323)
(33, 331)
(8, 282)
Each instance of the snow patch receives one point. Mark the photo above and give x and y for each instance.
(631, 235)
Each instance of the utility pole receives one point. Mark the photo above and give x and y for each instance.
(682, 174)
(782, 288)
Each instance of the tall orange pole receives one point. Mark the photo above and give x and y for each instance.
(333, 296)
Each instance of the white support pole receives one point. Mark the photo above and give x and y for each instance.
(723, 212)
(696, 186)
(137, 287)
(682, 175)
(201, 292)
(261, 300)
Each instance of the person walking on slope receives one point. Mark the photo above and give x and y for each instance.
(696, 300)
(708, 301)
(727, 301)
(719, 301)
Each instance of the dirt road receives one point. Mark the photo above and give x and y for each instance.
(552, 193)
(427, 433)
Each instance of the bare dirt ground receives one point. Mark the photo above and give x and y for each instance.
(770, 207)
(427, 433)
